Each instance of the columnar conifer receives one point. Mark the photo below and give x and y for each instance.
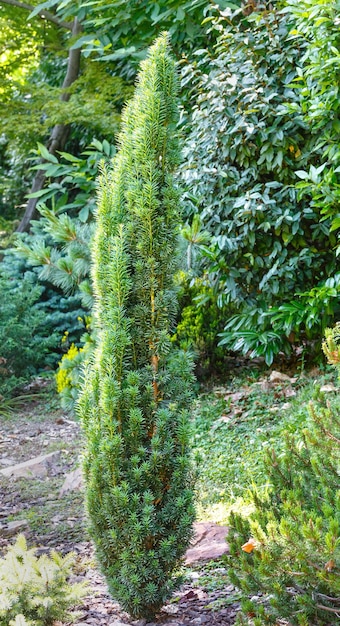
(137, 388)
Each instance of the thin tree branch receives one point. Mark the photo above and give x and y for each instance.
(47, 15)
(322, 595)
(329, 609)
(59, 133)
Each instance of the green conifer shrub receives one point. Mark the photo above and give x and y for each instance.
(25, 342)
(35, 591)
(137, 386)
(289, 549)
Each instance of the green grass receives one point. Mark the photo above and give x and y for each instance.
(230, 435)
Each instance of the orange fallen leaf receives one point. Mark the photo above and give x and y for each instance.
(249, 546)
(330, 566)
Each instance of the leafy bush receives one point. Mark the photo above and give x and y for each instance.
(198, 326)
(269, 247)
(331, 346)
(138, 388)
(317, 29)
(289, 549)
(69, 373)
(58, 250)
(59, 243)
(72, 179)
(36, 591)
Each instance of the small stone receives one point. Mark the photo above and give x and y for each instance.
(13, 528)
(189, 595)
(72, 482)
(34, 468)
(40, 551)
(170, 609)
(6, 461)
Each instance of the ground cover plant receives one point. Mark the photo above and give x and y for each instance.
(137, 387)
(233, 426)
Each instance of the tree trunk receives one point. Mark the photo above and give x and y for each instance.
(58, 135)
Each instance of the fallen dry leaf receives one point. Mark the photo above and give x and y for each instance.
(328, 388)
(249, 546)
(279, 377)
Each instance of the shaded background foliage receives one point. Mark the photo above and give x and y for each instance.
(269, 246)
(114, 38)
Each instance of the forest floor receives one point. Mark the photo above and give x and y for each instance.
(231, 423)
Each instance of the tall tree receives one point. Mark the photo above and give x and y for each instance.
(59, 132)
(114, 35)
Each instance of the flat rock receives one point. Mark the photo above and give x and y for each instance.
(34, 468)
(209, 542)
(73, 482)
(6, 461)
(12, 528)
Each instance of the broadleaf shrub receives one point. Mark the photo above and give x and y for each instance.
(317, 30)
(56, 253)
(270, 247)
